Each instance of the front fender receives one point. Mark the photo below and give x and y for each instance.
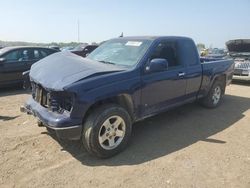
(125, 91)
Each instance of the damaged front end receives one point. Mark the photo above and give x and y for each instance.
(53, 109)
(55, 101)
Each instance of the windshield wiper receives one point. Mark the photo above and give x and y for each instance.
(107, 62)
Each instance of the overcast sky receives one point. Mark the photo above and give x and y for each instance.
(212, 22)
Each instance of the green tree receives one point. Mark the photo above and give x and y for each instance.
(201, 46)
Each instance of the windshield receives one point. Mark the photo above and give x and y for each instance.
(123, 52)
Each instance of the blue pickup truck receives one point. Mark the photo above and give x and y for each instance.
(98, 98)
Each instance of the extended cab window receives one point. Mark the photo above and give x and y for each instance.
(166, 50)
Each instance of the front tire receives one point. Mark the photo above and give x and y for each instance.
(106, 131)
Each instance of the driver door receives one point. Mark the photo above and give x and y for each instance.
(166, 88)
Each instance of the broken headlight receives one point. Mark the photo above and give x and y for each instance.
(56, 101)
(60, 101)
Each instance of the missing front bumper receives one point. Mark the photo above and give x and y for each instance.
(64, 126)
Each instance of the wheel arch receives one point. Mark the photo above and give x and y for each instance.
(123, 100)
(222, 79)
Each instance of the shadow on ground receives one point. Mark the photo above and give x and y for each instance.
(13, 90)
(7, 118)
(169, 132)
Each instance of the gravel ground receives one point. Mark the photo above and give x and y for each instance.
(187, 147)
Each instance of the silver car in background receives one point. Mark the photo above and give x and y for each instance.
(239, 50)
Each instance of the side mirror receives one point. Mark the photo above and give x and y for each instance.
(157, 65)
(2, 60)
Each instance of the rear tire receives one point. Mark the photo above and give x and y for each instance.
(106, 131)
(213, 99)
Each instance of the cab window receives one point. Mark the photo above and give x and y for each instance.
(166, 50)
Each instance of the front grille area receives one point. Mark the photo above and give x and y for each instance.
(242, 67)
(59, 101)
(239, 72)
(242, 64)
(40, 95)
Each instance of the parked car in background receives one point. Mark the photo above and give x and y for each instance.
(98, 98)
(55, 47)
(67, 48)
(203, 52)
(239, 50)
(216, 53)
(83, 51)
(16, 60)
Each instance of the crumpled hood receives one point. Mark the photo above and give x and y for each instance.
(64, 68)
(239, 45)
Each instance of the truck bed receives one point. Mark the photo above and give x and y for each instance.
(211, 68)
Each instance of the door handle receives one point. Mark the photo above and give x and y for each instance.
(180, 74)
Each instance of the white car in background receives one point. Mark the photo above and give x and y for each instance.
(239, 50)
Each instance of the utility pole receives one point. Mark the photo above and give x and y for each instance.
(78, 30)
